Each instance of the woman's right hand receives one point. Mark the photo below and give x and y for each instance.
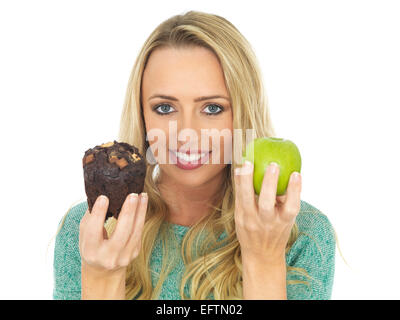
(104, 261)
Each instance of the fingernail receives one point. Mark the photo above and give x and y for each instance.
(237, 171)
(248, 164)
(273, 167)
(143, 197)
(133, 197)
(247, 167)
(296, 176)
(103, 200)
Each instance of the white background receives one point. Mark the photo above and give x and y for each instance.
(332, 76)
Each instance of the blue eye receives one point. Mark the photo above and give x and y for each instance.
(213, 107)
(162, 109)
(162, 106)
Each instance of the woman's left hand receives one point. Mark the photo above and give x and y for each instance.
(263, 228)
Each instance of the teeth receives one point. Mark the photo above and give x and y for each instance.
(189, 158)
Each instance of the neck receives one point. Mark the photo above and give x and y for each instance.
(188, 204)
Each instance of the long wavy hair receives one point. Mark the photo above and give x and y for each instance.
(213, 266)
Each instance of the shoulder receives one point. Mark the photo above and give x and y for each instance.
(316, 233)
(313, 252)
(312, 221)
(76, 213)
(73, 217)
(68, 228)
(67, 260)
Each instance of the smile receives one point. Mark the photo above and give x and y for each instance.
(189, 161)
(189, 157)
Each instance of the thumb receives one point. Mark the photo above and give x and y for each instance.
(99, 214)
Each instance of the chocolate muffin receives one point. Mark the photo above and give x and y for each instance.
(114, 169)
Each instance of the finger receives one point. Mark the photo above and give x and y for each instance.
(246, 189)
(134, 241)
(238, 208)
(97, 218)
(292, 204)
(266, 201)
(83, 222)
(125, 221)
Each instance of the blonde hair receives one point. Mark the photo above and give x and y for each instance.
(212, 267)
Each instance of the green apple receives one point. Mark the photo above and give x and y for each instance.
(262, 151)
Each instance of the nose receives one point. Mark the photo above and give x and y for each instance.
(187, 120)
(188, 128)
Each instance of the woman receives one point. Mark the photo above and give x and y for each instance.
(197, 233)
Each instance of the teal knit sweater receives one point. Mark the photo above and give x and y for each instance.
(314, 251)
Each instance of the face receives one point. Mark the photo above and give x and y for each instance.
(187, 106)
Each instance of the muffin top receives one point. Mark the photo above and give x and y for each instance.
(119, 153)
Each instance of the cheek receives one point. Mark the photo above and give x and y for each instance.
(157, 136)
(153, 122)
(225, 151)
(221, 144)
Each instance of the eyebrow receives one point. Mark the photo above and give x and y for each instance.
(162, 96)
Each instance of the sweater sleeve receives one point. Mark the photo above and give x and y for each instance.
(314, 253)
(67, 259)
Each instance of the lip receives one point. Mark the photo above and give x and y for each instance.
(191, 165)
